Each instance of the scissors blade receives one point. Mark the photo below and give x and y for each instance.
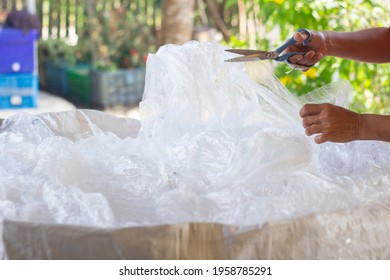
(244, 52)
(244, 58)
(251, 55)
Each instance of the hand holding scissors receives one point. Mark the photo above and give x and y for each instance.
(253, 55)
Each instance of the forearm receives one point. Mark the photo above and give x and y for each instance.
(368, 45)
(374, 127)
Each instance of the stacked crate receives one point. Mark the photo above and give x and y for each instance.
(117, 87)
(79, 84)
(18, 68)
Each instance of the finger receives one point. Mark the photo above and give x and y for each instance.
(311, 61)
(315, 59)
(308, 58)
(310, 109)
(310, 120)
(318, 57)
(314, 129)
(322, 138)
(295, 58)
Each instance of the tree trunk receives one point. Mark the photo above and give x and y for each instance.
(177, 21)
(90, 6)
(242, 19)
(212, 5)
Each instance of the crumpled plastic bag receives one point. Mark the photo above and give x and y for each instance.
(216, 142)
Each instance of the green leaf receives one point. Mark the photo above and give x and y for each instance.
(230, 3)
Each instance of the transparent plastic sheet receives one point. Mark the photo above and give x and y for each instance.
(218, 142)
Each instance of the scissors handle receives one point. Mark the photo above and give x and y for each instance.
(291, 41)
(285, 57)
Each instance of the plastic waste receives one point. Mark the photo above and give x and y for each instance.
(216, 142)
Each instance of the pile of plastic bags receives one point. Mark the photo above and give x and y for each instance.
(217, 142)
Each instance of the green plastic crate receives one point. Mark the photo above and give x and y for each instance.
(79, 84)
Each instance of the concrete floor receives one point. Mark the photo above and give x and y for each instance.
(51, 103)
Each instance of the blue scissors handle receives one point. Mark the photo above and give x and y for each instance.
(291, 41)
(285, 57)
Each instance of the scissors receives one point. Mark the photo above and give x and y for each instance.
(253, 55)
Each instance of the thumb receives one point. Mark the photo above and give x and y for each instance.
(300, 37)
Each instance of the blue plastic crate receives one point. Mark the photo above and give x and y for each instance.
(18, 91)
(56, 78)
(18, 51)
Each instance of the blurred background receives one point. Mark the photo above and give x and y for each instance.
(92, 53)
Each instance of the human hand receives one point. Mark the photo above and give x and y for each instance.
(330, 123)
(315, 50)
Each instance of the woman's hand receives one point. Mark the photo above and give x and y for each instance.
(330, 123)
(315, 50)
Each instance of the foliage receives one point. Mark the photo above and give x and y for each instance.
(56, 51)
(120, 40)
(370, 81)
(82, 50)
